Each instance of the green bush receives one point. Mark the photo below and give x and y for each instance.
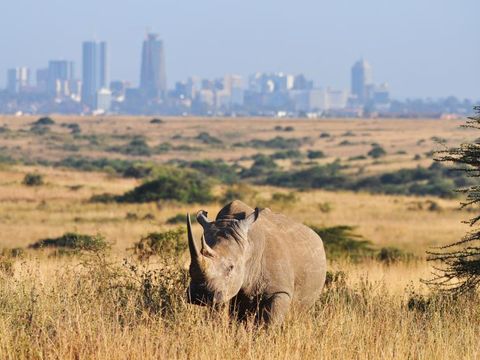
(186, 186)
(73, 241)
(315, 154)
(170, 243)
(208, 139)
(275, 143)
(136, 147)
(342, 242)
(44, 121)
(33, 179)
(377, 152)
(286, 154)
(217, 169)
(157, 121)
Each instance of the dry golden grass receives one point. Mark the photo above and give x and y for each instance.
(410, 137)
(57, 308)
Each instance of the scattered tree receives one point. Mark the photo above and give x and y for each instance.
(459, 263)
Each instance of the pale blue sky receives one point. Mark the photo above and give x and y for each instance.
(421, 47)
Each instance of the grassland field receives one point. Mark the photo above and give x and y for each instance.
(92, 306)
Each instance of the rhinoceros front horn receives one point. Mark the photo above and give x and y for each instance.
(192, 245)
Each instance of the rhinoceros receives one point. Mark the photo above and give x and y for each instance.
(259, 262)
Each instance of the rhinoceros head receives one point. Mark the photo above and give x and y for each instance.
(218, 259)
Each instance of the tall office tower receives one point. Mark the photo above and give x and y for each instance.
(60, 74)
(94, 71)
(42, 80)
(153, 79)
(362, 79)
(17, 79)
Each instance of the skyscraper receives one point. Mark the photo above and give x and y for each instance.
(94, 71)
(17, 79)
(153, 79)
(60, 73)
(362, 79)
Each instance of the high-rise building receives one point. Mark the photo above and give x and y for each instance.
(94, 71)
(17, 79)
(42, 80)
(153, 79)
(362, 78)
(60, 74)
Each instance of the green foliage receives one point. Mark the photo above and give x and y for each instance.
(377, 152)
(33, 179)
(262, 165)
(208, 139)
(315, 154)
(186, 186)
(44, 121)
(435, 180)
(73, 241)
(217, 169)
(136, 147)
(170, 243)
(286, 154)
(319, 176)
(342, 242)
(275, 143)
(459, 270)
(157, 121)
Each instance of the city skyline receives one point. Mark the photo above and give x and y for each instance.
(423, 49)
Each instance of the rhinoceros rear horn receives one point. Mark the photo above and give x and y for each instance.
(192, 245)
(203, 219)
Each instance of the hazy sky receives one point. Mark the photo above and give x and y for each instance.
(420, 47)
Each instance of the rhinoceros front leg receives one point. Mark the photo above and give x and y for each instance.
(276, 308)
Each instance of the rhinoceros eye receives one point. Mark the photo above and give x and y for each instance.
(229, 269)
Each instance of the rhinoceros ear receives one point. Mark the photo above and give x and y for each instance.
(202, 219)
(250, 219)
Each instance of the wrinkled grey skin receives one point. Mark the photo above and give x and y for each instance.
(258, 262)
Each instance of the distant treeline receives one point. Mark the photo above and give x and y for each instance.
(435, 180)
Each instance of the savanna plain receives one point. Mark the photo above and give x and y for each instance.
(94, 258)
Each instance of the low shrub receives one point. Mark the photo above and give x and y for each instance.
(208, 139)
(286, 154)
(186, 186)
(217, 169)
(377, 152)
(136, 147)
(157, 121)
(315, 154)
(44, 121)
(73, 241)
(275, 143)
(170, 243)
(343, 242)
(33, 179)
